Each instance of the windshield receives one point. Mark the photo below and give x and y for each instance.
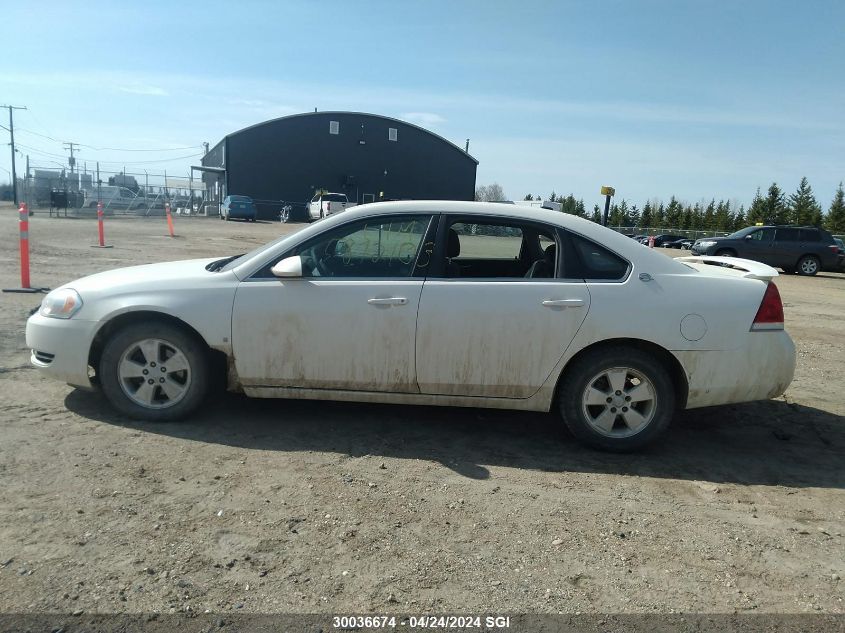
(239, 199)
(742, 232)
(334, 197)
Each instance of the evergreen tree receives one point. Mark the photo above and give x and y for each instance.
(528, 197)
(757, 210)
(673, 213)
(739, 219)
(686, 218)
(803, 208)
(634, 216)
(659, 216)
(580, 210)
(723, 220)
(697, 217)
(552, 197)
(776, 211)
(596, 214)
(835, 220)
(709, 219)
(646, 216)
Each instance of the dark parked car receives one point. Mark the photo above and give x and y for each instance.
(685, 243)
(802, 249)
(238, 207)
(663, 241)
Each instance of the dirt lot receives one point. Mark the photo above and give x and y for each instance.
(270, 506)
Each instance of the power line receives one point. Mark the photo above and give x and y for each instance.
(114, 162)
(113, 149)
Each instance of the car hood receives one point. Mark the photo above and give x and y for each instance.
(163, 276)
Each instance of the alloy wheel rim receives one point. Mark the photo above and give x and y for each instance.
(154, 373)
(809, 266)
(619, 402)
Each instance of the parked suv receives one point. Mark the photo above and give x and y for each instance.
(802, 249)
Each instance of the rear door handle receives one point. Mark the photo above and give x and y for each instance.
(388, 301)
(563, 303)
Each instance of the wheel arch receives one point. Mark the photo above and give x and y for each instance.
(664, 356)
(218, 360)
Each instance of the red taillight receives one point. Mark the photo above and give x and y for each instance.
(834, 247)
(770, 313)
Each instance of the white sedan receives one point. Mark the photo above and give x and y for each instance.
(431, 303)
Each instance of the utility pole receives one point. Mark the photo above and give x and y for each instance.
(12, 134)
(71, 161)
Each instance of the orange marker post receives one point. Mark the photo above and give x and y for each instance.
(23, 225)
(169, 219)
(23, 221)
(100, 229)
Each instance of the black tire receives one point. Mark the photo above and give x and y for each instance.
(808, 266)
(580, 375)
(194, 351)
(725, 252)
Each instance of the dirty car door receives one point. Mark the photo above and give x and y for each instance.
(497, 336)
(348, 323)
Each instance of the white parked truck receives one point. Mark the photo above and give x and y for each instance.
(323, 205)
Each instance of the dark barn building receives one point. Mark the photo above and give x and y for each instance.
(365, 156)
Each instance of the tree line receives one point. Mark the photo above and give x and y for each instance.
(775, 207)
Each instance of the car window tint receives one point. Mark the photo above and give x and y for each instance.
(786, 235)
(334, 197)
(763, 235)
(369, 248)
(810, 235)
(597, 262)
(488, 241)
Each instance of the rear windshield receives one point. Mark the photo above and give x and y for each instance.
(334, 197)
(240, 199)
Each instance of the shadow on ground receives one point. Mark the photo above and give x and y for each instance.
(766, 443)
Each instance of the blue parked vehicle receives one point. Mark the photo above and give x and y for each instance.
(238, 207)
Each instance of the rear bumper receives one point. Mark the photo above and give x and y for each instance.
(67, 341)
(763, 368)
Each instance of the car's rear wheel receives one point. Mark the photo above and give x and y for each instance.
(617, 399)
(154, 371)
(725, 252)
(808, 265)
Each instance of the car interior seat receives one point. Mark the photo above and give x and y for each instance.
(544, 267)
(453, 249)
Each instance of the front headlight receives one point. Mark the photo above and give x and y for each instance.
(706, 244)
(61, 304)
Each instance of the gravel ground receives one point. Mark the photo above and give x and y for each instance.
(274, 506)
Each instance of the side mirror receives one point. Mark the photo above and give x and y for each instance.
(288, 267)
(748, 237)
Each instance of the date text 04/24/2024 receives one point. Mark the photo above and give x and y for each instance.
(351, 622)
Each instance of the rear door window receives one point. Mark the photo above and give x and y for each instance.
(810, 235)
(786, 235)
(596, 262)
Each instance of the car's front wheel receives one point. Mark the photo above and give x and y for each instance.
(617, 399)
(154, 371)
(808, 265)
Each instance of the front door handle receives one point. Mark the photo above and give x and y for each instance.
(388, 301)
(563, 303)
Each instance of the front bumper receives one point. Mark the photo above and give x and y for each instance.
(60, 348)
(762, 369)
(695, 249)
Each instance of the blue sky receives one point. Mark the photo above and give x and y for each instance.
(655, 97)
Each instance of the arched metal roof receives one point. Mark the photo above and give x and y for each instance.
(365, 114)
